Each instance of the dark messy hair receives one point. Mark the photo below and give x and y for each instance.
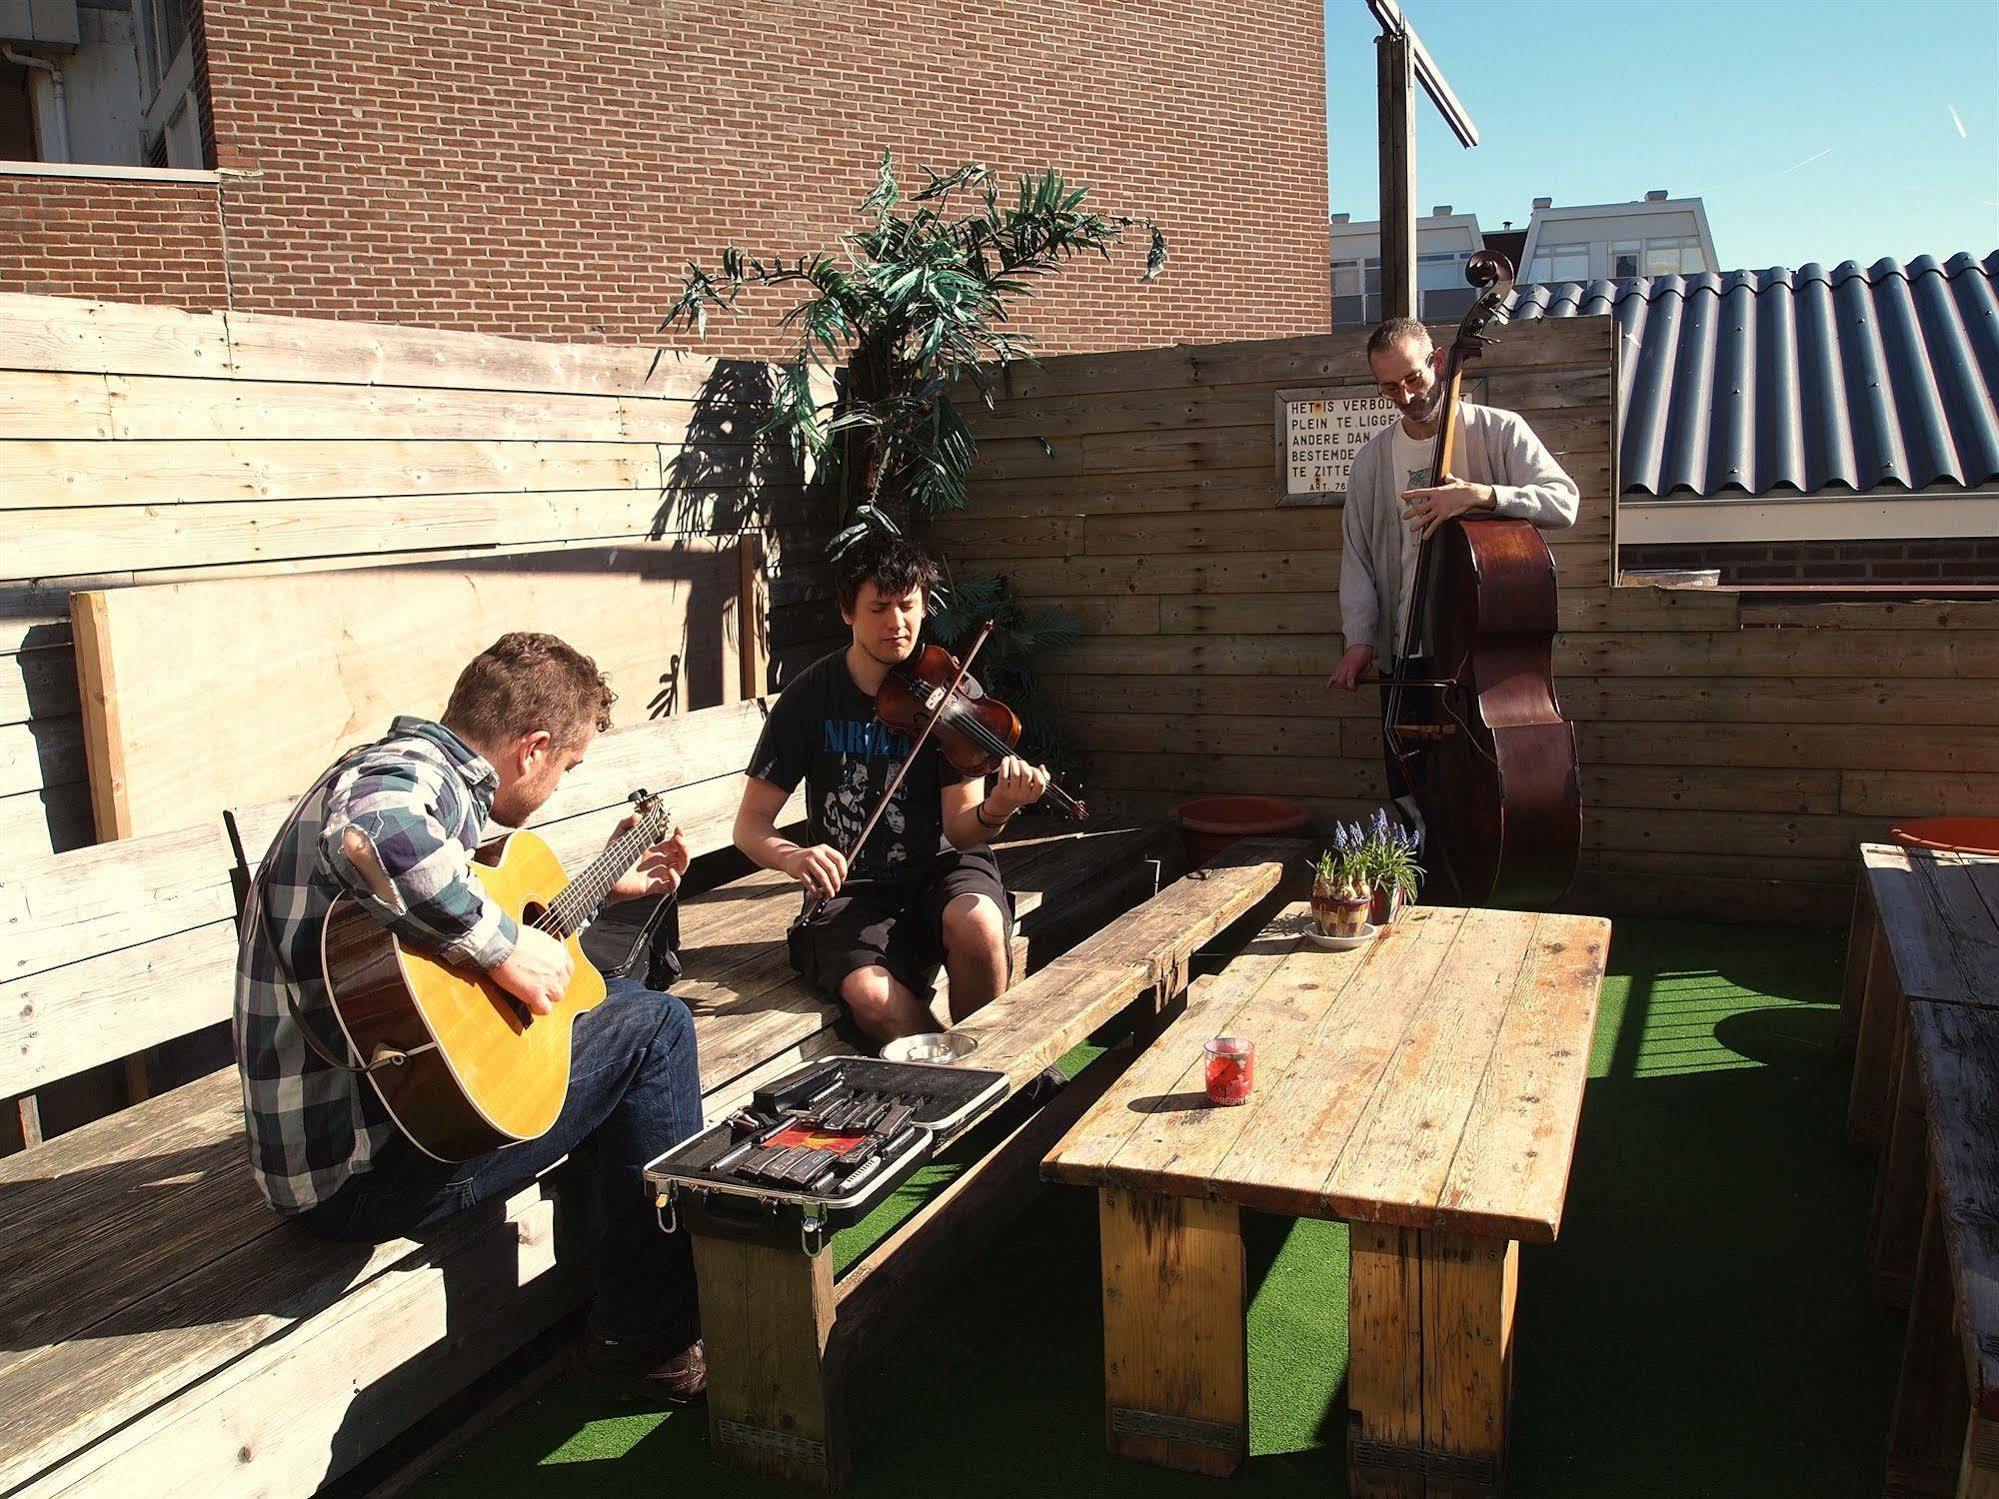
(1396, 330)
(893, 565)
(524, 682)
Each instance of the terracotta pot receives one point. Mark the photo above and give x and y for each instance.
(1339, 915)
(1386, 905)
(1210, 824)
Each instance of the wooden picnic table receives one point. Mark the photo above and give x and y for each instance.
(1426, 1088)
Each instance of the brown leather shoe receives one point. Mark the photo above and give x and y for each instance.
(652, 1370)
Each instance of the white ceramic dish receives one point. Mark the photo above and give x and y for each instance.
(932, 1046)
(1341, 944)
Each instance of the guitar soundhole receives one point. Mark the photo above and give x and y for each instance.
(531, 914)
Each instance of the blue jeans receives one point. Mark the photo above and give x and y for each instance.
(634, 1093)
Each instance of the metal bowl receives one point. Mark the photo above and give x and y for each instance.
(943, 1047)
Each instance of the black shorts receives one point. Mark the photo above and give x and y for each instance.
(895, 924)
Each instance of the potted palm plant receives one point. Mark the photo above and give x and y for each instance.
(909, 311)
(1341, 894)
(1389, 853)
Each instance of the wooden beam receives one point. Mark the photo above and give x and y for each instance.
(103, 741)
(1396, 101)
(752, 615)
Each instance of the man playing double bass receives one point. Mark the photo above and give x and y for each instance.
(1392, 505)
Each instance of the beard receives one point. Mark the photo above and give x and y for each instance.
(1426, 406)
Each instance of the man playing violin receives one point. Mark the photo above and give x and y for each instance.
(1393, 505)
(924, 888)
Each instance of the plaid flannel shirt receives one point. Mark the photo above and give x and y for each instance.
(420, 799)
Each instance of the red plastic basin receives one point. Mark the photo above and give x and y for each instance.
(1963, 835)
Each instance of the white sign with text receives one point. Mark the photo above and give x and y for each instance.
(1318, 436)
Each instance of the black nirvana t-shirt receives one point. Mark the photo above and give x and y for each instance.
(823, 730)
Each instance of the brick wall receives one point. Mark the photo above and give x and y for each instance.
(1960, 560)
(117, 241)
(545, 169)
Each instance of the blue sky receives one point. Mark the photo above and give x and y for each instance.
(1814, 131)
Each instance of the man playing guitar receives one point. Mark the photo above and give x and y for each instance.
(394, 825)
(924, 888)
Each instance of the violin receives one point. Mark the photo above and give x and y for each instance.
(933, 692)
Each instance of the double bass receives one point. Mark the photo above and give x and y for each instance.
(1472, 718)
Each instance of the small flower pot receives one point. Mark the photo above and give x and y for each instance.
(1340, 915)
(1386, 905)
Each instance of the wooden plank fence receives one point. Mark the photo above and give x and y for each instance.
(146, 444)
(1734, 751)
(149, 445)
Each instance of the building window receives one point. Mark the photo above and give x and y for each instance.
(1442, 294)
(1560, 263)
(1627, 258)
(127, 94)
(1357, 291)
(1679, 256)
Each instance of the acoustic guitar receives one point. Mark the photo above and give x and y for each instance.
(461, 1065)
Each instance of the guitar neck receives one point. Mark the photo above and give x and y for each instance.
(581, 896)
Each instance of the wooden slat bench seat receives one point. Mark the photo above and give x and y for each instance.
(1426, 1088)
(783, 1339)
(163, 1326)
(1944, 1432)
(1926, 927)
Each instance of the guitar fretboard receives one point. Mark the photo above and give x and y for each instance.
(567, 913)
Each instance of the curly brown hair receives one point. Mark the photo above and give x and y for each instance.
(524, 682)
(893, 565)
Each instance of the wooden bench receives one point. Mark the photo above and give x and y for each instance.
(1426, 1088)
(783, 1339)
(158, 1315)
(1944, 1432)
(1922, 1013)
(1926, 927)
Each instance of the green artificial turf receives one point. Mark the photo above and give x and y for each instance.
(1704, 1327)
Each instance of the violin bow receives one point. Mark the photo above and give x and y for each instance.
(817, 903)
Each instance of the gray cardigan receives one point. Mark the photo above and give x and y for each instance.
(1497, 448)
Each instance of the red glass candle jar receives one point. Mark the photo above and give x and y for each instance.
(1231, 1070)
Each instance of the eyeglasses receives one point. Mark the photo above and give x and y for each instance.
(1411, 382)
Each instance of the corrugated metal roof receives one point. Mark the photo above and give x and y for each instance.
(1800, 381)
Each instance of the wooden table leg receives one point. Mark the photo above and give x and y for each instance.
(1176, 1342)
(1896, 1227)
(1881, 998)
(1861, 937)
(1384, 1363)
(1430, 1363)
(774, 1406)
(1932, 1397)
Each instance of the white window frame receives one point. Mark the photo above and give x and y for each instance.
(1543, 269)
